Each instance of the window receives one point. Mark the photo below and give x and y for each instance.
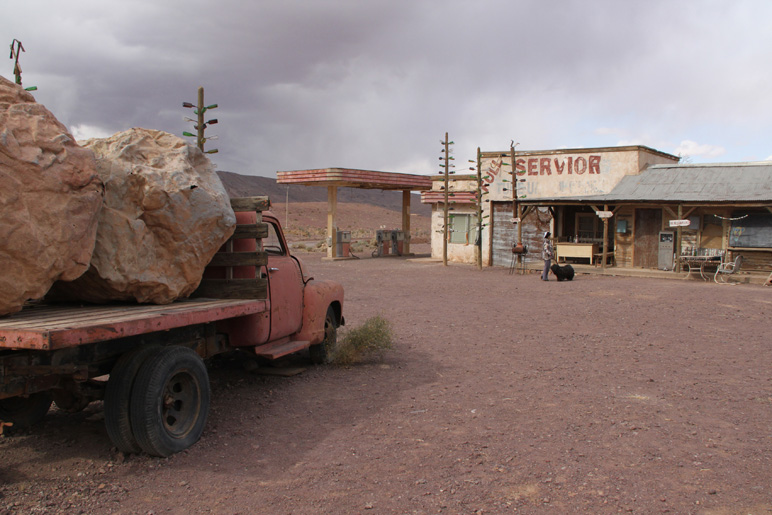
(589, 228)
(462, 229)
(272, 244)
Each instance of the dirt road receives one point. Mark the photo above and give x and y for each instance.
(503, 394)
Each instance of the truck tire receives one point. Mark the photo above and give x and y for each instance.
(322, 352)
(169, 401)
(118, 397)
(24, 412)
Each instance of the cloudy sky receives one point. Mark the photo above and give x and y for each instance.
(375, 84)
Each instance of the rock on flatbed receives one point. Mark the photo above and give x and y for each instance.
(165, 215)
(50, 195)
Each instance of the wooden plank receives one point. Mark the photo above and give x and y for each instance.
(241, 204)
(233, 288)
(239, 259)
(38, 333)
(255, 231)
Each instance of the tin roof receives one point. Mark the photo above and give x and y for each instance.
(719, 182)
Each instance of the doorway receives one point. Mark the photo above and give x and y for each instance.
(648, 223)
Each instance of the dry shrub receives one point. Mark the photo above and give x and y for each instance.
(372, 338)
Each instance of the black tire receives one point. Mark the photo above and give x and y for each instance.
(170, 401)
(24, 412)
(118, 397)
(322, 352)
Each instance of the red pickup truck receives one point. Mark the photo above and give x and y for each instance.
(255, 298)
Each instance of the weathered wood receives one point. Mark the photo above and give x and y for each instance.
(233, 289)
(54, 327)
(605, 239)
(242, 204)
(239, 259)
(245, 231)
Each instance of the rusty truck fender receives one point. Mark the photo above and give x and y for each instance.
(317, 297)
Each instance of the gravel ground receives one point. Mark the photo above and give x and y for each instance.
(503, 394)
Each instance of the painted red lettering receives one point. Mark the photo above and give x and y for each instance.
(533, 166)
(560, 166)
(579, 170)
(570, 168)
(520, 166)
(544, 166)
(594, 164)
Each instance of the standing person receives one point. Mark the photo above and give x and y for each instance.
(546, 255)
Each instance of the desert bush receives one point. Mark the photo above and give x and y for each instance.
(372, 338)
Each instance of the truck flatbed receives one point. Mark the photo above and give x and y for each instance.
(50, 327)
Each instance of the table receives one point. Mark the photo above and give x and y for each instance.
(575, 250)
(700, 261)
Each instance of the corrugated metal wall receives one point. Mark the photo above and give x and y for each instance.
(505, 232)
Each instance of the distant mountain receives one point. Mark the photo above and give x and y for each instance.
(238, 185)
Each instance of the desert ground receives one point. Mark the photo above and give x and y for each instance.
(502, 394)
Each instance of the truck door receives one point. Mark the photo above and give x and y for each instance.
(285, 285)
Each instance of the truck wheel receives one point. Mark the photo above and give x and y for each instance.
(170, 401)
(322, 352)
(118, 397)
(23, 412)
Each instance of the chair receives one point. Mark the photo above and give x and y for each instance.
(724, 270)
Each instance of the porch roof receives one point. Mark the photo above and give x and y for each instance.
(720, 183)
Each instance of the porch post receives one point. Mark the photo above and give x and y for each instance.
(605, 241)
(677, 266)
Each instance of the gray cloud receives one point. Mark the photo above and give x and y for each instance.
(376, 84)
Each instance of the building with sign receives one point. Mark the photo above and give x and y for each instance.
(618, 206)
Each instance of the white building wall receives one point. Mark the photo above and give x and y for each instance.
(546, 174)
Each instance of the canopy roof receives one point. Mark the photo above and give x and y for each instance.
(350, 178)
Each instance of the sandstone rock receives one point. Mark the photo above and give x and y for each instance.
(50, 195)
(165, 215)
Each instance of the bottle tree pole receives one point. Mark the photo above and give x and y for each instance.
(478, 239)
(199, 124)
(16, 49)
(445, 213)
(517, 210)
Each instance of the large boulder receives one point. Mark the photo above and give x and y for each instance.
(50, 195)
(165, 215)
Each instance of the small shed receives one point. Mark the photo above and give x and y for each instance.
(334, 178)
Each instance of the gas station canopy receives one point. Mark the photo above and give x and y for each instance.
(345, 177)
(334, 178)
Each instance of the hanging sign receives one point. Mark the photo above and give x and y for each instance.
(604, 214)
(680, 223)
(515, 220)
